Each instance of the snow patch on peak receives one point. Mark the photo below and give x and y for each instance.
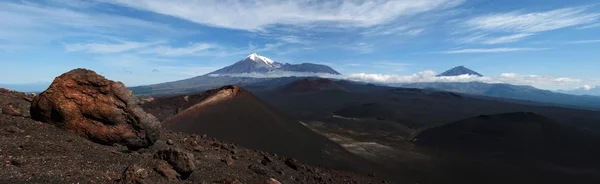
(263, 62)
(258, 58)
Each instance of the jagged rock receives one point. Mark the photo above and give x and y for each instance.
(9, 109)
(272, 181)
(85, 103)
(258, 169)
(166, 170)
(233, 181)
(13, 129)
(134, 174)
(266, 160)
(228, 160)
(290, 162)
(182, 162)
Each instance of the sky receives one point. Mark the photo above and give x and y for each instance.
(549, 45)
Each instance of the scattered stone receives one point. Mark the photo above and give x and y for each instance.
(89, 105)
(170, 142)
(204, 136)
(266, 160)
(16, 163)
(290, 162)
(233, 152)
(198, 148)
(233, 181)
(235, 157)
(13, 129)
(9, 109)
(182, 162)
(166, 170)
(258, 169)
(280, 173)
(134, 174)
(228, 160)
(272, 181)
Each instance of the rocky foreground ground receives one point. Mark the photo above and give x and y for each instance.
(58, 151)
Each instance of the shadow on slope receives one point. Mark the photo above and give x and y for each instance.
(513, 148)
(235, 115)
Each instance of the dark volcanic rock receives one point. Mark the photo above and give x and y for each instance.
(104, 111)
(290, 162)
(166, 170)
(182, 162)
(9, 109)
(134, 174)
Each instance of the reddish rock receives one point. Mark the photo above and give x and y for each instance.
(272, 181)
(101, 110)
(182, 162)
(166, 170)
(9, 109)
(134, 174)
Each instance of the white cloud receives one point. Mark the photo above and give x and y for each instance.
(490, 50)
(532, 22)
(545, 82)
(32, 24)
(107, 47)
(192, 49)
(260, 14)
(490, 40)
(587, 87)
(507, 39)
(590, 26)
(583, 41)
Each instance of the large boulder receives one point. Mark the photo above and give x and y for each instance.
(85, 103)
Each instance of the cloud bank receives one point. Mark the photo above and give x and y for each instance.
(545, 82)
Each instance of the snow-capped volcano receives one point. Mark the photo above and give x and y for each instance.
(263, 62)
(255, 63)
(459, 70)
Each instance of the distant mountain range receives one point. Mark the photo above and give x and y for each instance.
(27, 87)
(509, 91)
(587, 90)
(459, 70)
(255, 63)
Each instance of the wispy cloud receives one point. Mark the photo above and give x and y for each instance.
(596, 25)
(490, 40)
(534, 21)
(107, 47)
(583, 41)
(507, 39)
(260, 14)
(488, 50)
(189, 50)
(498, 28)
(33, 24)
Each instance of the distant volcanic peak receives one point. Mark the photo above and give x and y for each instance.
(258, 58)
(255, 63)
(459, 70)
(262, 62)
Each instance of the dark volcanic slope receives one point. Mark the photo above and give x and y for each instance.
(235, 115)
(311, 85)
(35, 152)
(522, 135)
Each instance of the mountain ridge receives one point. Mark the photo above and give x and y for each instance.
(255, 63)
(459, 70)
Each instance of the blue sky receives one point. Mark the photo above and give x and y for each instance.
(552, 44)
